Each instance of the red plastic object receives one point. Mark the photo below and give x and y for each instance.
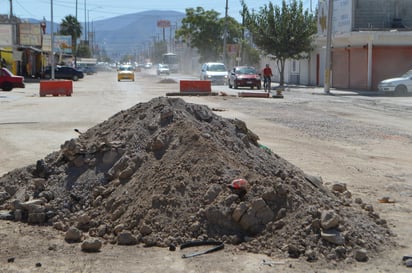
(238, 184)
(56, 87)
(195, 86)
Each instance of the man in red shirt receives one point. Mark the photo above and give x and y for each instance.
(267, 77)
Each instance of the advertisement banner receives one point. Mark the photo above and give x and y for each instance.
(62, 44)
(232, 49)
(163, 23)
(341, 17)
(6, 35)
(30, 34)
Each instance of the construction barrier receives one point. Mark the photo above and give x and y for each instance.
(253, 94)
(195, 86)
(56, 87)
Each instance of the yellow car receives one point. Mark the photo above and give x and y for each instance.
(125, 72)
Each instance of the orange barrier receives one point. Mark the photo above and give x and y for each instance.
(253, 94)
(56, 87)
(195, 86)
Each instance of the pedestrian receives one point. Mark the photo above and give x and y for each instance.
(267, 77)
(3, 63)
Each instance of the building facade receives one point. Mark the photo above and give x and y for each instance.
(371, 41)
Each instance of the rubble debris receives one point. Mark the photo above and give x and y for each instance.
(157, 174)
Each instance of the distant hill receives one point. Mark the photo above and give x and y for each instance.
(130, 33)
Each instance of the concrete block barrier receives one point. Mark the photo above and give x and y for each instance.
(56, 87)
(195, 86)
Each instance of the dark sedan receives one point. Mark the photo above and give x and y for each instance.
(64, 72)
(245, 76)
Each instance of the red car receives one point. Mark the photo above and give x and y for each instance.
(244, 76)
(8, 81)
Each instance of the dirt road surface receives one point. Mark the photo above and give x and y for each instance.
(348, 137)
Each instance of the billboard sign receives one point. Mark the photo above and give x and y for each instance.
(62, 44)
(6, 35)
(341, 17)
(30, 34)
(163, 23)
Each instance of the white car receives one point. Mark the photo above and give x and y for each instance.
(398, 86)
(162, 69)
(214, 72)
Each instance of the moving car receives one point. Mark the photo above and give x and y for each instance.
(215, 72)
(64, 72)
(398, 86)
(162, 69)
(125, 72)
(244, 76)
(8, 81)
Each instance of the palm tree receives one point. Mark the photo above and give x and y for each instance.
(70, 26)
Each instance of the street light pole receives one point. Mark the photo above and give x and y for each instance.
(85, 23)
(225, 35)
(11, 9)
(52, 39)
(326, 85)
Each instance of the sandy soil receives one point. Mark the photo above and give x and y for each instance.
(363, 141)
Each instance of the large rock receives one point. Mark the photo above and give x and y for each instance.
(126, 238)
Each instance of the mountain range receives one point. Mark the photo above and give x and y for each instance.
(128, 34)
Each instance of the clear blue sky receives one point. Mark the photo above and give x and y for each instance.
(102, 9)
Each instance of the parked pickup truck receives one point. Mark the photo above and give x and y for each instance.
(8, 81)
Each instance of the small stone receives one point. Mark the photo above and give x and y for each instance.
(339, 187)
(91, 245)
(347, 194)
(310, 255)
(361, 255)
(329, 219)
(145, 230)
(368, 208)
(358, 200)
(73, 235)
(340, 251)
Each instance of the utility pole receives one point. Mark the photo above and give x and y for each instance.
(225, 35)
(76, 9)
(11, 9)
(328, 48)
(52, 40)
(85, 23)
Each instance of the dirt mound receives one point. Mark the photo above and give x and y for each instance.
(160, 171)
(167, 80)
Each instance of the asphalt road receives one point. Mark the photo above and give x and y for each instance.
(30, 125)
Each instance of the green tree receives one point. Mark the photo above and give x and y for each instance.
(70, 26)
(204, 30)
(83, 50)
(282, 33)
(249, 55)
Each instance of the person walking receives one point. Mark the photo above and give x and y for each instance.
(267, 77)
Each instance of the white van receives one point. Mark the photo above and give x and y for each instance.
(215, 72)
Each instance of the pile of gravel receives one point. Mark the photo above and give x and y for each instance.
(158, 174)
